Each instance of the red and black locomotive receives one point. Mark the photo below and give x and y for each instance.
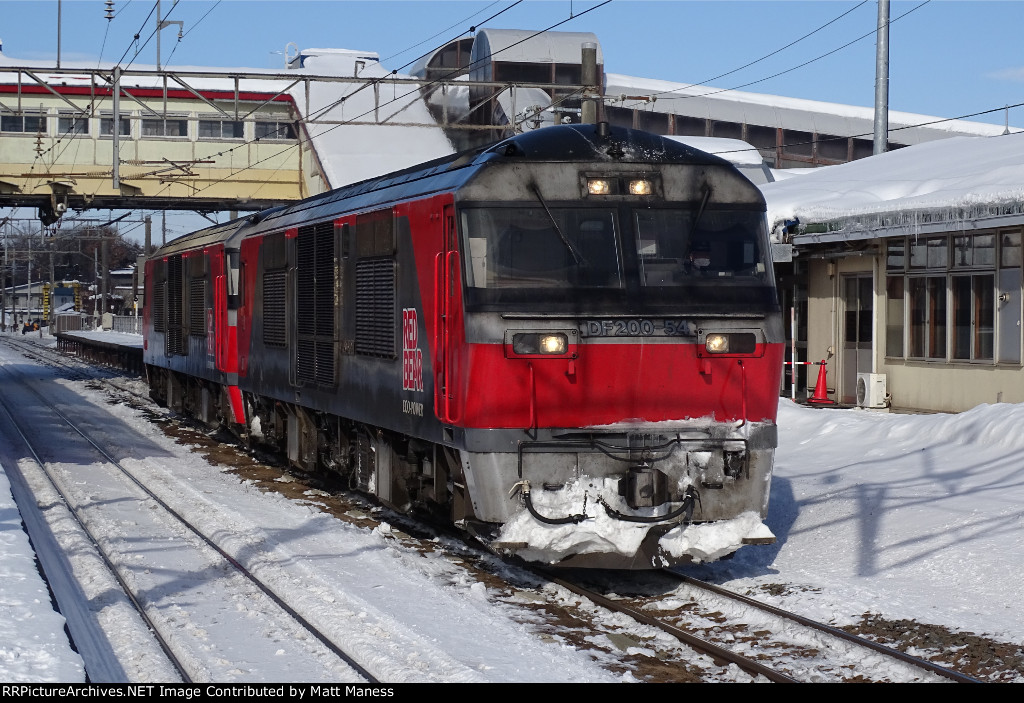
(568, 342)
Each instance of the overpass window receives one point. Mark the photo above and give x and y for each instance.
(798, 143)
(71, 124)
(24, 122)
(515, 72)
(221, 129)
(833, 147)
(170, 127)
(124, 126)
(727, 130)
(275, 129)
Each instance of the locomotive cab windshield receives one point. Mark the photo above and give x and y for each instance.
(615, 257)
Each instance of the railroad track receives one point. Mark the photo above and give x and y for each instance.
(74, 368)
(821, 653)
(778, 645)
(94, 476)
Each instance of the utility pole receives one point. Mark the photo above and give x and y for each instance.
(116, 135)
(58, 33)
(589, 78)
(3, 313)
(882, 80)
(163, 24)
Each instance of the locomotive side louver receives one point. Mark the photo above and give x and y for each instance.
(275, 318)
(197, 307)
(174, 341)
(160, 306)
(315, 289)
(376, 315)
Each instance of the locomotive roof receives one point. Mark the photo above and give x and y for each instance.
(562, 143)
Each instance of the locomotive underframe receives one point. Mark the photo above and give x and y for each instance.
(403, 472)
(728, 467)
(202, 399)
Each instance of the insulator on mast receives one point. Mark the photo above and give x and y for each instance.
(108, 13)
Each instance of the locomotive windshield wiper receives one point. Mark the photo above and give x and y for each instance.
(576, 256)
(700, 210)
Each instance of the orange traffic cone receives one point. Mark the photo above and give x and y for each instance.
(821, 388)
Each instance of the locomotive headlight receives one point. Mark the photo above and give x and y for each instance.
(599, 186)
(731, 343)
(640, 186)
(717, 343)
(553, 344)
(534, 343)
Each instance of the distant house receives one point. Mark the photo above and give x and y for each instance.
(911, 268)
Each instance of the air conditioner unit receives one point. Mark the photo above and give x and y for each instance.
(871, 390)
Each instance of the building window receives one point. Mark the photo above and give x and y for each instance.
(798, 143)
(72, 124)
(833, 147)
(928, 317)
(221, 129)
(930, 253)
(654, 122)
(124, 126)
(973, 316)
(974, 250)
(1010, 250)
(24, 122)
(727, 130)
(894, 316)
(276, 129)
(175, 127)
(941, 295)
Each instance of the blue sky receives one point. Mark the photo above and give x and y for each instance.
(948, 57)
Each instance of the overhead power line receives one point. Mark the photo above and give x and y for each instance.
(300, 142)
(788, 70)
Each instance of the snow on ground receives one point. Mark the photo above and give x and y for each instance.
(907, 516)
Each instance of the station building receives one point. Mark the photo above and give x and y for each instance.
(913, 268)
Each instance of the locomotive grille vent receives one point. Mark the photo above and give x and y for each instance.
(174, 341)
(314, 362)
(197, 307)
(315, 291)
(160, 307)
(376, 316)
(274, 316)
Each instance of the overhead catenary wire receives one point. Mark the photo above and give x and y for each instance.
(299, 143)
(195, 24)
(448, 29)
(331, 106)
(788, 70)
(770, 54)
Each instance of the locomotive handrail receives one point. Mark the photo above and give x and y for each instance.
(443, 263)
(533, 397)
(220, 351)
(439, 354)
(450, 258)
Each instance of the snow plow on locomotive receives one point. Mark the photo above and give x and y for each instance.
(568, 343)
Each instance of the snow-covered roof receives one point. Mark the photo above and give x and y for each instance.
(706, 102)
(963, 180)
(741, 154)
(403, 133)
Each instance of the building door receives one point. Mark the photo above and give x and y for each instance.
(858, 307)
